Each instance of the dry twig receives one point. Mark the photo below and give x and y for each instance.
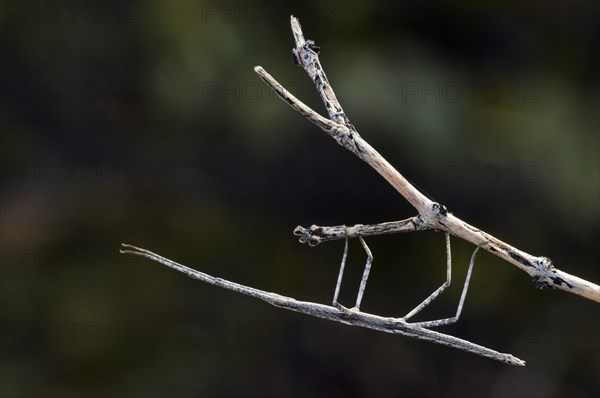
(431, 215)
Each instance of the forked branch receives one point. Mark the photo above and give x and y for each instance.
(432, 215)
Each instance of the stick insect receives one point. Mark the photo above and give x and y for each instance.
(337, 313)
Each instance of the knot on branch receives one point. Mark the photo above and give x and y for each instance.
(435, 217)
(305, 55)
(546, 276)
(439, 209)
(313, 235)
(418, 222)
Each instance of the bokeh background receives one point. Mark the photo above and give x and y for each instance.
(143, 122)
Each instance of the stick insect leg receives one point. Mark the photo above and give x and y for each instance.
(463, 295)
(340, 274)
(363, 281)
(440, 289)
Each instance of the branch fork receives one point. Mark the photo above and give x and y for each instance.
(431, 215)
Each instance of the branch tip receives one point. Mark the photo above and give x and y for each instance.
(297, 31)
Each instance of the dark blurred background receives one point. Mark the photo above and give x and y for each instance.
(144, 122)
